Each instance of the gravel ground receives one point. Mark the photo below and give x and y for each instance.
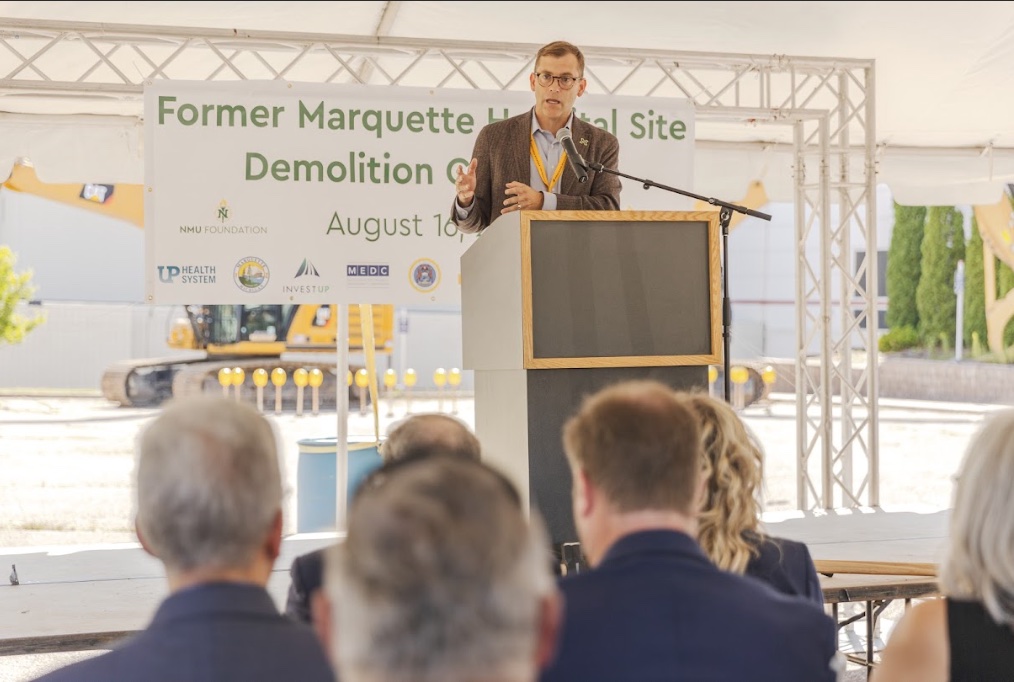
(66, 463)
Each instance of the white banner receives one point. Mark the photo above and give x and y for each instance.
(274, 192)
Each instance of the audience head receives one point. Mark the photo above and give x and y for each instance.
(636, 446)
(427, 434)
(733, 472)
(440, 578)
(978, 565)
(209, 486)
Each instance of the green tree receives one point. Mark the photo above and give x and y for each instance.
(904, 263)
(943, 245)
(14, 288)
(975, 288)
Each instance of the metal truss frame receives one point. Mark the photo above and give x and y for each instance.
(827, 104)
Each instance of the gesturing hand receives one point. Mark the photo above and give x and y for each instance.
(521, 197)
(464, 185)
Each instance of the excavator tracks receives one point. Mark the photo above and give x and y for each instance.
(143, 383)
(150, 382)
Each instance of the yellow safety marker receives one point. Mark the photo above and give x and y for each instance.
(409, 380)
(260, 379)
(300, 378)
(440, 379)
(390, 382)
(362, 383)
(238, 377)
(316, 379)
(225, 380)
(278, 378)
(454, 380)
(738, 375)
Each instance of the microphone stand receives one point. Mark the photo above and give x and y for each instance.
(724, 218)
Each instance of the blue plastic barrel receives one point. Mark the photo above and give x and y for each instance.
(316, 470)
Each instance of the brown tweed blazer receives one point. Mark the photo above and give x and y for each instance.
(503, 150)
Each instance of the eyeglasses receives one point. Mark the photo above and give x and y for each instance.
(546, 79)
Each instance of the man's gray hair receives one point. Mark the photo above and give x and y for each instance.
(978, 564)
(208, 483)
(422, 435)
(440, 578)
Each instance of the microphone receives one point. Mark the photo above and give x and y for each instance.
(577, 164)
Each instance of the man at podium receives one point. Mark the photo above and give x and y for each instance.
(519, 164)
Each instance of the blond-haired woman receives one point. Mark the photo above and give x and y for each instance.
(969, 635)
(728, 527)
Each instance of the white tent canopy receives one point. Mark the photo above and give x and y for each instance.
(944, 132)
(820, 101)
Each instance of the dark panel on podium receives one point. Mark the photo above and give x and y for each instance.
(608, 288)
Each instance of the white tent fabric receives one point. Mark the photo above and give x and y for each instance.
(944, 128)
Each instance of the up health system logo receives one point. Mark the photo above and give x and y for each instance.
(251, 274)
(186, 274)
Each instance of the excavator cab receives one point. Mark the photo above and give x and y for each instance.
(239, 330)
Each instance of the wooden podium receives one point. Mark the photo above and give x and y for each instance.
(558, 304)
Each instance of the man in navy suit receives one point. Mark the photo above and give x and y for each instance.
(653, 606)
(209, 497)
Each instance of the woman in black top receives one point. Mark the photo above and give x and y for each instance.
(968, 635)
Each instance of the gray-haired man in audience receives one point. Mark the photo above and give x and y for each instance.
(209, 496)
(440, 579)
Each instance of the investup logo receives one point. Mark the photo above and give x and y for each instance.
(307, 269)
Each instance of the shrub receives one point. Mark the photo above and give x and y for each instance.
(15, 287)
(898, 339)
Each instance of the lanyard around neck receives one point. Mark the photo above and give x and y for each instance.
(537, 158)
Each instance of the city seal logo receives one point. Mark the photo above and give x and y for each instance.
(251, 274)
(424, 274)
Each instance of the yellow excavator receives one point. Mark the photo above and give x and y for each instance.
(289, 336)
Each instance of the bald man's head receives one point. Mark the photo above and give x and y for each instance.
(423, 435)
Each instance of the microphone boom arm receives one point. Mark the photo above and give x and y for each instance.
(648, 184)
